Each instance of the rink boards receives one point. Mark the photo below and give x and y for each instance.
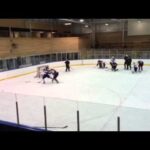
(32, 69)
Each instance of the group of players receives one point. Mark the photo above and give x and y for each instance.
(52, 73)
(47, 74)
(127, 64)
(136, 66)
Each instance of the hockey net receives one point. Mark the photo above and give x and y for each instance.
(40, 71)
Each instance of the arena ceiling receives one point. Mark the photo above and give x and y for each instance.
(78, 21)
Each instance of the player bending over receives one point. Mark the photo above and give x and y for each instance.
(140, 65)
(46, 75)
(55, 75)
(101, 64)
(113, 64)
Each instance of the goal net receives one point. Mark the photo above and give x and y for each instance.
(40, 71)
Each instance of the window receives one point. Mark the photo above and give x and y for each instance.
(53, 57)
(33, 60)
(71, 56)
(17, 62)
(37, 60)
(23, 61)
(47, 58)
(59, 56)
(1, 64)
(75, 56)
(63, 56)
(67, 55)
(10, 64)
(42, 59)
(4, 33)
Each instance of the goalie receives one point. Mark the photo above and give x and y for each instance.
(40, 71)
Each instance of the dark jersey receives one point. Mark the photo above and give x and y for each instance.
(67, 63)
(141, 63)
(129, 60)
(125, 58)
(53, 72)
(46, 72)
(114, 64)
(99, 62)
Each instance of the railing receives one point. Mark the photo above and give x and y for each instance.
(55, 114)
(21, 62)
(118, 53)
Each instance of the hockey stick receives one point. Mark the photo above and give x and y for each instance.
(63, 127)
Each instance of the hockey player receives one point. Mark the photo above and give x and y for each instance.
(47, 68)
(67, 62)
(55, 75)
(101, 64)
(41, 70)
(126, 60)
(134, 67)
(140, 65)
(112, 59)
(104, 64)
(46, 75)
(113, 64)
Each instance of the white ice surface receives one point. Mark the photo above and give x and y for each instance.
(99, 94)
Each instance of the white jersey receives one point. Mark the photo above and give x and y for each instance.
(135, 64)
(112, 59)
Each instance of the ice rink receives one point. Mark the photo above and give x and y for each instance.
(100, 95)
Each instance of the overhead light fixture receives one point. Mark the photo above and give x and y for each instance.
(106, 24)
(53, 32)
(81, 20)
(86, 26)
(67, 24)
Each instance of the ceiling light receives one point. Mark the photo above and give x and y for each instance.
(67, 24)
(81, 20)
(86, 26)
(106, 24)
